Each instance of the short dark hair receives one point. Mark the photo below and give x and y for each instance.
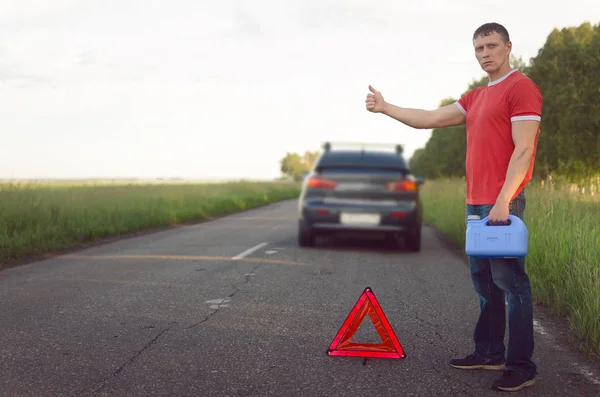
(488, 28)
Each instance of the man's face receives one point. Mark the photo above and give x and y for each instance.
(491, 52)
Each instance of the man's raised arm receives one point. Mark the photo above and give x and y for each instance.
(445, 116)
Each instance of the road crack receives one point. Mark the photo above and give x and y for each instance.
(236, 289)
(434, 327)
(426, 321)
(205, 318)
(130, 361)
(247, 278)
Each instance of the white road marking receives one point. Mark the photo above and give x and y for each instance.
(249, 251)
(583, 370)
(250, 274)
(218, 301)
(216, 304)
(539, 328)
(589, 375)
(270, 252)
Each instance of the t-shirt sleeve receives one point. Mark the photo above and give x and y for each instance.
(463, 102)
(525, 101)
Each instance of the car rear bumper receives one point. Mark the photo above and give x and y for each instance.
(364, 216)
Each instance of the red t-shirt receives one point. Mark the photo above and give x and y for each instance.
(490, 111)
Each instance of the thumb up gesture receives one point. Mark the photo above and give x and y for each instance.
(374, 101)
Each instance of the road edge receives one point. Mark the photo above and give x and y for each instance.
(83, 245)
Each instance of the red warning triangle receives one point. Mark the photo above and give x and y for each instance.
(389, 347)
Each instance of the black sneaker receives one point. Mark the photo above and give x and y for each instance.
(512, 381)
(474, 362)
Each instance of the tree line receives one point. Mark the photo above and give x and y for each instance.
(294, 165)
(567, 71)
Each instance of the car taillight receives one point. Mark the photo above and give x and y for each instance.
(399, 186)
(320, 183)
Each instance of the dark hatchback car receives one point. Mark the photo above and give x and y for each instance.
(361, 190)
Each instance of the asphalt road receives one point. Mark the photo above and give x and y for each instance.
(233, 307)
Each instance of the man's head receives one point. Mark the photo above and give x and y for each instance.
(492, 47)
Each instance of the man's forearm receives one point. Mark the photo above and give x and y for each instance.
(517, 169)
(416, 118)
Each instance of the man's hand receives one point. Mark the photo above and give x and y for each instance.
(444, 116)
(375, 102)
(499, 213)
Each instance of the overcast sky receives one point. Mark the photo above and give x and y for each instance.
(222, 89)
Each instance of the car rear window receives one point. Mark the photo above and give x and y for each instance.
(356, 161)
(361, 171)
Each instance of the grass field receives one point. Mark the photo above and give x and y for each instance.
(37, 218)
(564, 254)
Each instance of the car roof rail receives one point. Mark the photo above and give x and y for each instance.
(363, 145)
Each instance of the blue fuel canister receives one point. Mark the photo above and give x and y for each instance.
(496, 241)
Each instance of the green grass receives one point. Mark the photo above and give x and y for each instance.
(37, 218)
(564, 254)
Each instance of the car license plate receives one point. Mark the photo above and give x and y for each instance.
(359, 219)
(352, 186)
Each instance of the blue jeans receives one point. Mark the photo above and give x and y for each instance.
(493, 278)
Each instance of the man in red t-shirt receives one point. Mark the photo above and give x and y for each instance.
(502, 125)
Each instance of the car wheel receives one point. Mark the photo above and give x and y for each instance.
(413, 240)
(306, 238)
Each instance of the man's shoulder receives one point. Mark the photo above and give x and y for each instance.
(523, 96)
(521, 81)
